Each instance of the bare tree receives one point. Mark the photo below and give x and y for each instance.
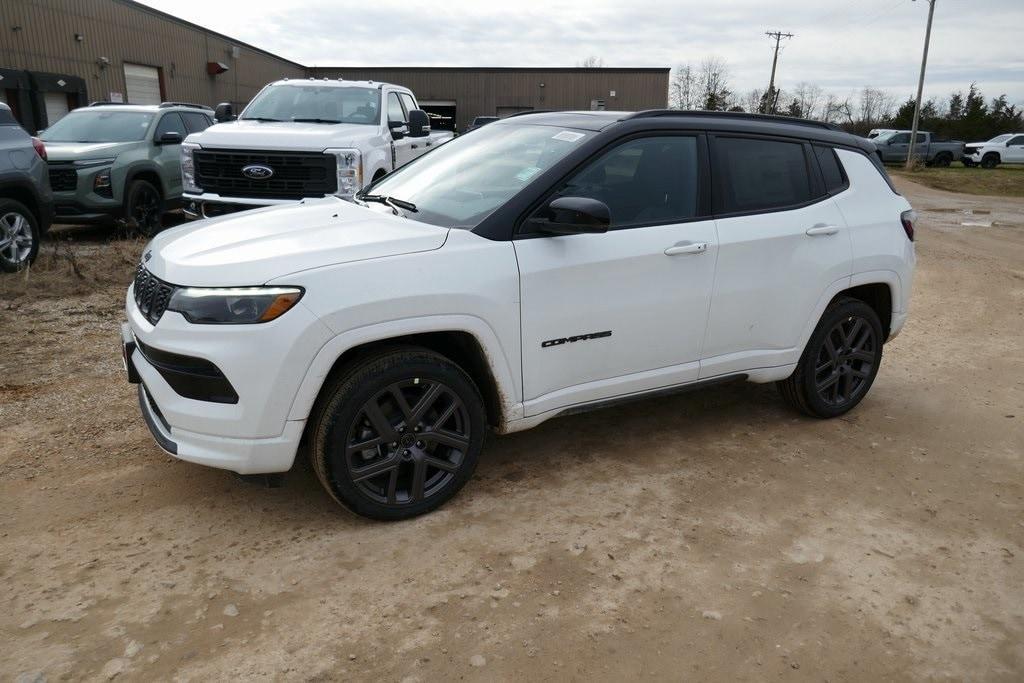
(682, 90)
(751, 102)
(875, 105)
(808, 98)
(591, 62)
(713, 84)
(836, 110)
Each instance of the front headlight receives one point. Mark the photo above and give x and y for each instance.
(188, 168)
(350, 171)
(233, 305)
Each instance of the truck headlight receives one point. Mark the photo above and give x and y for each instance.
(350, 171)
(188, 168)
(233, 305)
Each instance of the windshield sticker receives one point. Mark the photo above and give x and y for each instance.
(527, 173)
(567, 136)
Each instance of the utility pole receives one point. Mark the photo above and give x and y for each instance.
(772, 98)
(920, 86)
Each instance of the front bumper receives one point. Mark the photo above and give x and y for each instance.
(974, 157)
(210, 205)
(264, 364)
(70, 207)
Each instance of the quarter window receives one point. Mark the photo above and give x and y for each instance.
(644, 181)
(831, 170)
(758, 175)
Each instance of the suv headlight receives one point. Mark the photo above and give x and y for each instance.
(233, 305)
(188, 168)
(350, 171)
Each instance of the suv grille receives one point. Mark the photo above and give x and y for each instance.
(296, 174)
(63, 179)
(151, 294)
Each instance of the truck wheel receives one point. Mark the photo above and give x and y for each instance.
(990, 160)
(840, 362)
(968, 163)
(144, 207)
(943, 160)
(398, 433)
(19, 236)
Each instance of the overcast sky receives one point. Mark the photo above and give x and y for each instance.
(841, 45)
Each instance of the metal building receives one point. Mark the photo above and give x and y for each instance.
(459, 94)
(56, 55)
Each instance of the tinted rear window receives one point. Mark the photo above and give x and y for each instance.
(831, 170)
(761, 174)
(195, 122)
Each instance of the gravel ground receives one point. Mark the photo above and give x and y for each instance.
(713, 535)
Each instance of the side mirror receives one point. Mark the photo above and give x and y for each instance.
(575, 215)
(398, 129)
(171, 137)
(419, 123)
(224, 112)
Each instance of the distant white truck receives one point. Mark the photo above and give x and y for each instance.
(301, 139)
(1002, 149)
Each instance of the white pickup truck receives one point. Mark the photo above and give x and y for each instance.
(301, 139)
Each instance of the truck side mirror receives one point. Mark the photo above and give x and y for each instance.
(224, 112)
(419, 123)
(398, 129)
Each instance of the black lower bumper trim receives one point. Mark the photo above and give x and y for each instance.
(191, 377)
(150, 414)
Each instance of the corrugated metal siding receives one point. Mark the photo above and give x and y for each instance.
(481, 91)
(125, 32)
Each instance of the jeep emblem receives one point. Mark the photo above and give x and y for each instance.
(257, 172)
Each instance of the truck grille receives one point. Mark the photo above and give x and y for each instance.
(296, 174)
(151, 294)
(63, 179)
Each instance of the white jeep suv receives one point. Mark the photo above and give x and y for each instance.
(546, 264)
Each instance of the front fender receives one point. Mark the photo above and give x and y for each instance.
(325, 359)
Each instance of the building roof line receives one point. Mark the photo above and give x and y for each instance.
(574, 69)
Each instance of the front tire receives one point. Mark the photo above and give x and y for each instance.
(19, 236)
(990, 160)
(840, 362)
(144, 207)
(398, 433)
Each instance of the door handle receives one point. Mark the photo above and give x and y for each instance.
(687, 248)
(822, 229)
(415, 146)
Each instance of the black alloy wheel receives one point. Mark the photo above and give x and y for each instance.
(398, 434)
(145, 208)
(839, 363)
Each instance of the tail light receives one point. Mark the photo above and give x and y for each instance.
(907, 218)
(39, 147)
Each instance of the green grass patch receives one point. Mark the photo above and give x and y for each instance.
(1002, 181)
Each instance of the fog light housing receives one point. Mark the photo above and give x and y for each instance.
(101, 184)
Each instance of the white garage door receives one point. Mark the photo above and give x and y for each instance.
(142, 84)
(56, 106)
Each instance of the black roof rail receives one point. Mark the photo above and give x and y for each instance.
(774, 118)
(104, 103)
(529, 111)
(164, 105)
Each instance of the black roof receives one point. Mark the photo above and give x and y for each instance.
(733, 122)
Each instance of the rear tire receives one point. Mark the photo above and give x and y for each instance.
(397, 434)
(19, 236)
(840, 362)
(990, 160)
(943, 160)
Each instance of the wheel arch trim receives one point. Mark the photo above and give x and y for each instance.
(324, 361)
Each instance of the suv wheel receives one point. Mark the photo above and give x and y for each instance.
(398, 434)
(144, 206)
(839, 363)
(943, 160)
(19, 236)
(990, 160)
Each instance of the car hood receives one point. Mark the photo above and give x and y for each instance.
(254, 247)
(283, 135)
(80, 151)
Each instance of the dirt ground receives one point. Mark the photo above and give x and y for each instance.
(708, 536)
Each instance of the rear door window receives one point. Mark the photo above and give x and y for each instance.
(195, 122)
(760, 175)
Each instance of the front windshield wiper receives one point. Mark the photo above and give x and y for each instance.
(261, 118)
(395, 204)
(300, 120)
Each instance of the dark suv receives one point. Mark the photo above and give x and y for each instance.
(26, 206)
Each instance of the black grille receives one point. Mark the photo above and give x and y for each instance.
(151, 295)
(63, 179)
(296, 174)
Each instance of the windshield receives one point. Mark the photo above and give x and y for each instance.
(99, 126)
(315, 103)
(1000, 138)
(463, 181)
(882, 137)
